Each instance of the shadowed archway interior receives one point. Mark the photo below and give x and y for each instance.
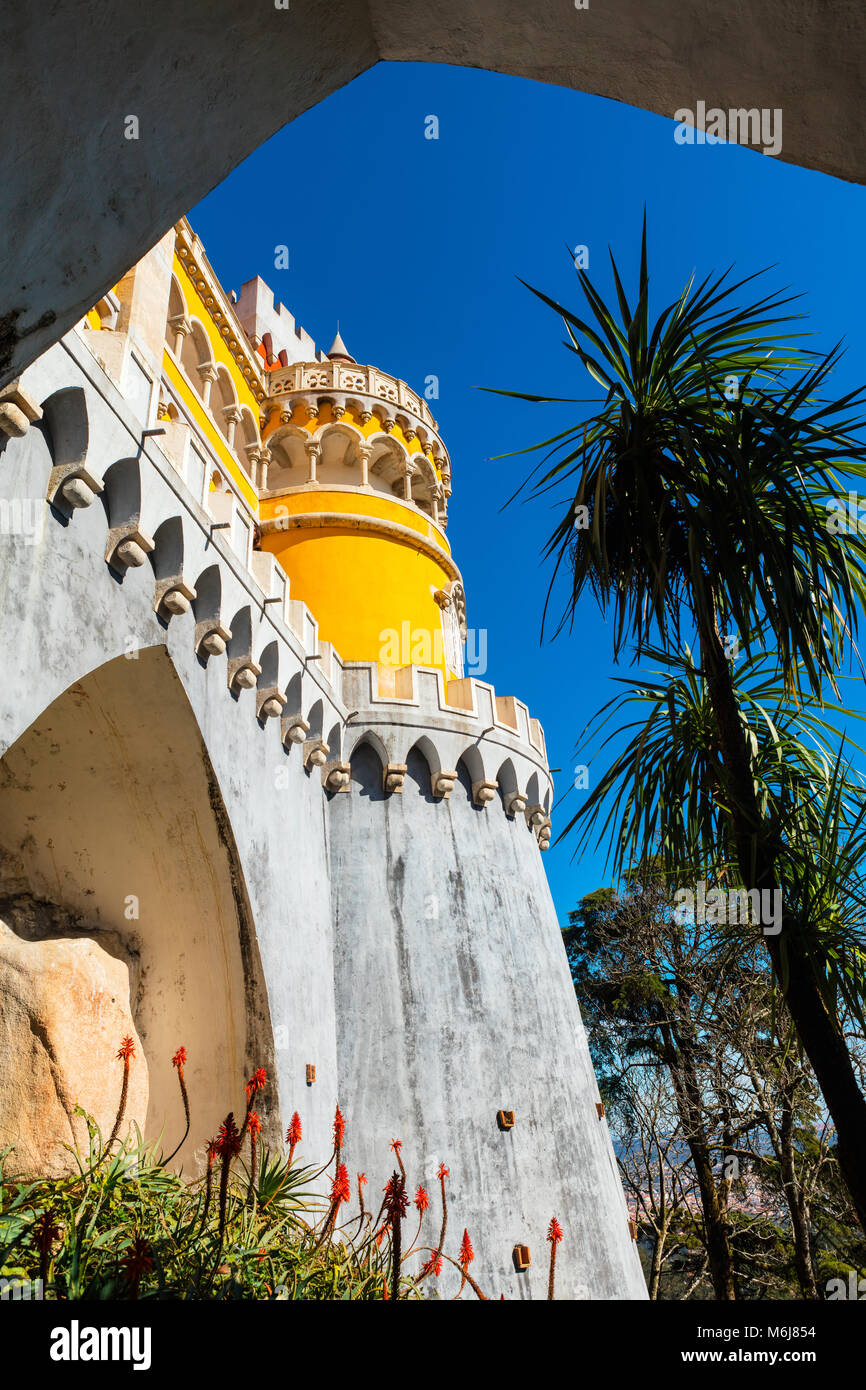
(113, 827)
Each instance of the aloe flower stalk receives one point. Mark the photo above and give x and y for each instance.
(257, 1082)
(44, 1234)
(125, 1054)
(212, 1152)
(554, 1235)
(396, 1206)
(254, 1125)
(294, 1134)
(228, 1146)
(434, 1264)
(179, 1061)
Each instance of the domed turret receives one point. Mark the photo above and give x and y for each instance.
(354, 506)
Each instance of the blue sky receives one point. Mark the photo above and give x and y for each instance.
(415, 246)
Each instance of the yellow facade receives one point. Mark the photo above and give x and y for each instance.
(370, 560)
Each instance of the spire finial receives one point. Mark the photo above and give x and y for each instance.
(338, 352)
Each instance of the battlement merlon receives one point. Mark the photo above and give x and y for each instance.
(495, 736)
(258, 315)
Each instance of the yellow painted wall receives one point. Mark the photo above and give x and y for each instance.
(372, 595)
(215, 438)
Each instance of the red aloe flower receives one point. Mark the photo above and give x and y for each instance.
(293, 1133)
(467, 1254)
(339, 1128)
(554, 1232)
(554, 1235)
(396, 1197)
(228, 1140)
(396, 1145)
(432, 1266)
(179, 1058)
(422, 1200)
(125, 1054)
(255, 1122)
(44, 1233)
(257, 1082)
(362, 1177)
(137, 1262)
(340, 1190)
(443, 1172)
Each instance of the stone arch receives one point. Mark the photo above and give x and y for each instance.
(196, 357)
(288, 466)
(388, 459)
(375, 741)
(339, 461)
(95, 842)
(366, 771)
(419, 775)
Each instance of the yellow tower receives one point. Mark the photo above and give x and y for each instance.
(353, 503)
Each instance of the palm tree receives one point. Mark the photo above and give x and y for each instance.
(698, 502)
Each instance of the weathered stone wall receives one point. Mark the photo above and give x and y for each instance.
(454, 1002)
(402, 942)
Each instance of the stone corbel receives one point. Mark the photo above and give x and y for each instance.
(127, 548)
(269, 702)
(535, 815)
(393, 776)
(172, 596)
(18, 410)
(484, 792)
(336, 776)
(243, 672)
(211, 638)
(295, 730)
(515, 803)
(315, 753)
(443, 784)
(544, 833)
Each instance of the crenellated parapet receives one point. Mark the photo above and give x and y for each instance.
(236, 608)
(500, 744)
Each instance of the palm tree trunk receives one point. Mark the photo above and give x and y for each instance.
(819, 1031)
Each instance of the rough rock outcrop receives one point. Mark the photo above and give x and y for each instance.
(64, 1009)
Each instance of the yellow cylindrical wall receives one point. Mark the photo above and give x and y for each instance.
(372, 593)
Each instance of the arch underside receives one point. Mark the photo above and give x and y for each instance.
(112, 821)
(85, 195)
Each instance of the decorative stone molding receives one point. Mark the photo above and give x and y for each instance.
(18, 410)
(181, 327)
(544, 833)
(212, 639)
(315, 753)
(243, 673)
(393, 776)
(515, 803)
(535, 816)
(443, 784)
(484, 792)
(336, 776)
(295, 730)
(172, 597)
(270, 702)
(128, 550)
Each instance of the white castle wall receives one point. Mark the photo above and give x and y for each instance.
(423, 1025)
